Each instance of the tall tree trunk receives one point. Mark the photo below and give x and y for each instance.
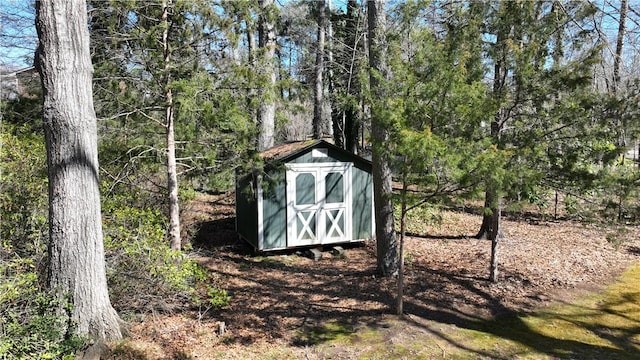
(267, 107)
(403, 230)
(490, 228)
(622, 142)
(172, 172)
(329, 68)
(251, 45)
(76, 265)
(318, 116)
(346, 124)
(351, 122)
(387, 247)
(619, 45)
(251, 91)
(558, 46)
(491, 219)
(495, 237)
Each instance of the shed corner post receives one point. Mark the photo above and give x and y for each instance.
(260, 210)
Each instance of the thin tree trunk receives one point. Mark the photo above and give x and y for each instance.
(488, 229)
(387, 247)
(267, 107)
(616, 72)
(351, 123)
(235, 49)
(403, 230)
(491, 220)
(251, 92)
(172, 173)
(329, 68)
(318, 116)
(251, 45)
(346, 127)
(76, 264)
(495, 237)
(619, 45)
(555, 207)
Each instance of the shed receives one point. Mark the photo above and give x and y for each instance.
(310, 193)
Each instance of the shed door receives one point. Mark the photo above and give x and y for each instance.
(318, 203)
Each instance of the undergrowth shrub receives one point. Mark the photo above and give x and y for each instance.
(144, 273)
(28, 327)
(23, 191)
(420, 217)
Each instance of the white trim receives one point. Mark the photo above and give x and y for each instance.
(260, 206)
(315, 166)
(320, 153)
(319, 170)
(373, 210)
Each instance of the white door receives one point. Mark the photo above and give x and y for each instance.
(318, 203)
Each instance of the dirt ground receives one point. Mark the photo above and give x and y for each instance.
(276, 298)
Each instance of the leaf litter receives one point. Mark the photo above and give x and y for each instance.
(278, 299)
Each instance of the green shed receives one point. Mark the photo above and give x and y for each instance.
(310, 193)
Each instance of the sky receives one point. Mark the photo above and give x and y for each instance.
(18, 38)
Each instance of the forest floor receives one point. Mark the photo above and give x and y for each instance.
(285, 305)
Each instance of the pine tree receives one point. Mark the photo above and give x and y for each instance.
(160, 81)
(346, 92)
(380, 75)
(527, 95)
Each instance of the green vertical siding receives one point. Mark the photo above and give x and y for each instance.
(362, 193)
(247, 210)
(274, 208)
(274, 201)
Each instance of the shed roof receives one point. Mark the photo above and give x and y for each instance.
(290, 150)
(281, 151)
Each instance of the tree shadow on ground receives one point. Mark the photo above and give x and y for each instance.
(277, 293)
(438, 237)
(635, 250)
(216, 233)
(286, 296)
(511, 326)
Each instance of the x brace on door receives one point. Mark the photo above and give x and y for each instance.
(335, 224)
(306, 221)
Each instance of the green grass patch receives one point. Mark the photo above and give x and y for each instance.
(604, 325)
(329, 331)
(273, 261)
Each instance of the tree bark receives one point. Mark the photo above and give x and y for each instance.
(403, 230)
(622, 142)
(491, 220)
(251, 60)
(318, 114)
(351, 122)
(619, 45)
(495, 236)
(267, 107)
(330, 80)
(387, 247)
(491, 229)
(346, 124)
(76, 264)
(175, 241)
